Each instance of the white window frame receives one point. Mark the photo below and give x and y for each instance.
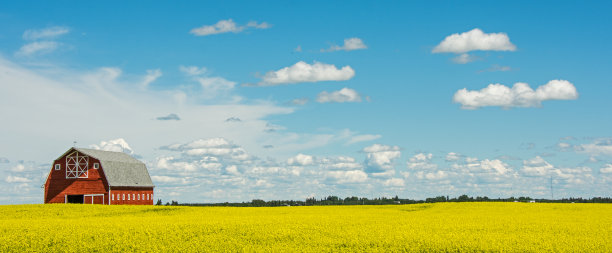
(77, 165)
(58, 166)
(113, 197)
(147, 196)
(96, 166)
(128, 196)
(138, 196)
(133, 196)
(124, 196)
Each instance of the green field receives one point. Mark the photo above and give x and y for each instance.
(514, 227)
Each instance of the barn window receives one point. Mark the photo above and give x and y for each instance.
(138, 196)
(58, 167)
(113, 197)
(128, 196)
(133, 196)
(96, 166)
(76, 165)
(124, 196)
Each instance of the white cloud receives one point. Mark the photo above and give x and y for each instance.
(598, 147)
(166, 179)
(226, 26)
(464, 58)
(421, 161)
(117, 145)
(394, 182)
(536, 167)
(46, 33)
(380, 158)
(152, 75)
(341, 96)
(340, 163)
(350, 44)
(193, 70)
(301, 159)
(16, 179)
(350, 176)
(210, 147)
(520, 95)
(438, 175)
(473, 40)
(498, 166)
(304, 72)
(452, 156)
(38, 47)
(606, 169)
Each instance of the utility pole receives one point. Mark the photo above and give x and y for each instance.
(552, 195)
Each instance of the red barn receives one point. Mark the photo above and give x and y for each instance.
(98, 177)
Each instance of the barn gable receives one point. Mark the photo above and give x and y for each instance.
(121, 169)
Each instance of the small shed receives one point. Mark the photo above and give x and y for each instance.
(91, 176)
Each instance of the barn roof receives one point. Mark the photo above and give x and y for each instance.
(120, 168)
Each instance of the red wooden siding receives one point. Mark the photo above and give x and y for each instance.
(57, 187)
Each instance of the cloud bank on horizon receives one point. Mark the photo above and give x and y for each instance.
(306, 126)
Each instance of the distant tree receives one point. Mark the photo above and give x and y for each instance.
(159, 202)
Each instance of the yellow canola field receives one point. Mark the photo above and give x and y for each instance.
(511, 227)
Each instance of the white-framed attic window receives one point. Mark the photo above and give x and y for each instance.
(58, 167)
(96, 166)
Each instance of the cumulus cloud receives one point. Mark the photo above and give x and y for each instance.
(606, 169)
(226, 26)
(536, 167)
(350, 44)
(421, 161)
(171, 116)
(520, 95)
(394, 182)
(301, 159)
(437, 175)
(38, 47)
(117, 145)
(598, 147)
(4, 160)
(16, 179)
(341, 96)
(304, 72)
(350, 176)
(340, 163)
(474, 40)
(380, 158)
(210, 147)
(452, 156)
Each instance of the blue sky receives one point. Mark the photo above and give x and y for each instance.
(240, 100)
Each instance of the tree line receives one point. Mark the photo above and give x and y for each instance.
(335, 200)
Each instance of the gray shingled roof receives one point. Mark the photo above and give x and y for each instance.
(120, 168)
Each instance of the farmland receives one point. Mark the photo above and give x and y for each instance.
(514, 227)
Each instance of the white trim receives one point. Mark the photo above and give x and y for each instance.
(96, 166)
(58, 166)
(65, 198)
(92, 199)
(109, 193)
